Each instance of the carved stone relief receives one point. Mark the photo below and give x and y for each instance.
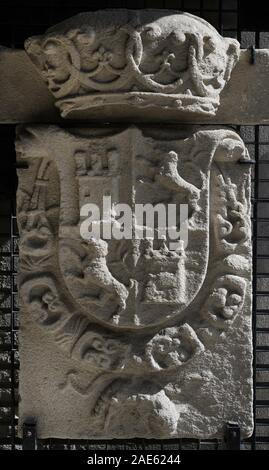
(134, 59)
(129, 338)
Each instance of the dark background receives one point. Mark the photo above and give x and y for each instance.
(21, 18)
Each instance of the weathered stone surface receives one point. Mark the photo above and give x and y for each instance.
(128, 338)
(23, 96)
(245, 99)
(135, 58)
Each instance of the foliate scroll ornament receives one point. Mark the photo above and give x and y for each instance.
(232, 224)
(95, 347)
(225, 301)
(141, 58)
(230, 254)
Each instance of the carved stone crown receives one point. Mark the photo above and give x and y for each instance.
(134, 59)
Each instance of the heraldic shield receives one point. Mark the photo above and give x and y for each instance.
(131, 309)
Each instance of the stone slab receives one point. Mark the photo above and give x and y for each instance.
(129, 338)
(23, 96)
(245, 99)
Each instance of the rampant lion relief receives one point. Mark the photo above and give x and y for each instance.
(131, 317)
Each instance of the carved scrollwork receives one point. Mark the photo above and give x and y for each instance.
(230, 254)
(225, 301)
(134, 55)
(232, 224)
(42, 296)
(95, 347)
(173, 348)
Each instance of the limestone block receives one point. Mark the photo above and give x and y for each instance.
(138, 58)
(131, 338)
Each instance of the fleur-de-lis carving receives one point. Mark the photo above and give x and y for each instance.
(102, 56)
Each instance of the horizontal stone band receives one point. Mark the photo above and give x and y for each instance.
(21, 83)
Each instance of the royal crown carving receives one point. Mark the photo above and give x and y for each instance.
(138, 59)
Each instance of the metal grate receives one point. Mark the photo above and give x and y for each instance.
(16, 24)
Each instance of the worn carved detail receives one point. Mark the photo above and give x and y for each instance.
(225, 301)
(136, 58)
(131, 320)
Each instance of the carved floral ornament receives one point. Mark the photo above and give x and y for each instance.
(137, 58)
